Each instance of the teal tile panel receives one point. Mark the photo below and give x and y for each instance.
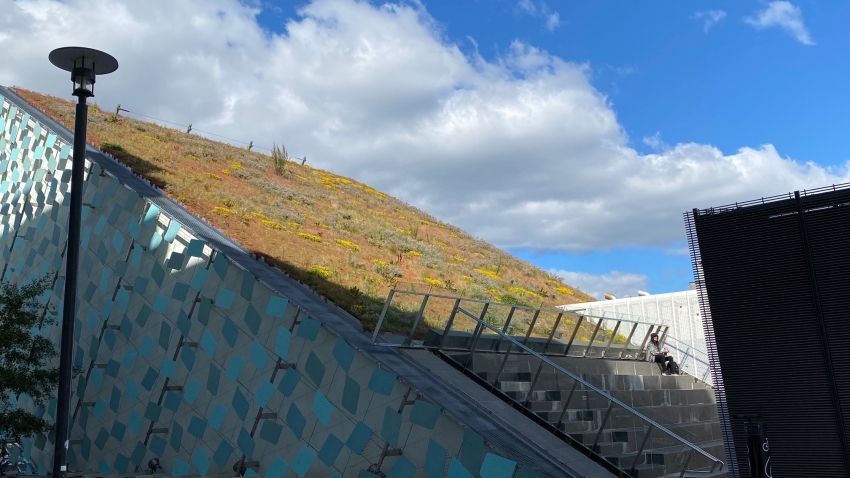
(247, 289)
(220, 265)
(424, 414)
(197, 427)
(343, 353)
(457, 470)
(403, 468)
(195, 248)
(175, 261)
(200, 278)
(258, 355)
(303, 461)
(192, 390)
(180, 468)
(154, 243)
(168, 368)
(223, 452)
(240, 404)
(276, 306)
(435, 460)
(153, 411)
(281, 347)
(151, 215)
(495, 466)
(157, 445)
(330, 450)
(171, 232)
(315, 368)
(350, 395)
(208, 343)
(245, 442)
(176, 436)
(217, 416)
(471, 450)
(234, 368)
(391, 426)
(382, 382)
(264, 393)
(309, 329)
(132, 389)
(135, 422)
(322, 408)
(230, 332)
(202, 463)
(134, 228)
(252, 319)
(289, 381)
(147, 346)
(295, 420)
(224, 298)
(277, 469)
(213, 378)
(270, 431)
(117, 241)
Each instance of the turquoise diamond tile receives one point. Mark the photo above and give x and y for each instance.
(382, 382)
(277, 469)
(309, 329)
(223, 452)
(180, 468)
(176, 436)
(424, 414)
(435, 460)
(281, 347)
(234, 368)
(195, 248)
(230, 332)
(343, 353)
(391, 426)
(208, 343)
(315, 368)
(471, 450)
(295, 420)
(168, 368)
(217, 416)
(224, 298)
(245, 442)
(289, 381)
(157, 445)
(153, 411)
(202, 463)
(495, 466)
(135, 422)
(359, 438)
(351, 395)
(330, 450)
(193, 388)
(301, 464)
(456, 470)
(264, 393)
(276, 306)
(171, 232)
(197, 427)
(258, 355)
(240, 404)
(270, 431)
(403, 468)
(252, 319)
(200, 278)
(322, 408)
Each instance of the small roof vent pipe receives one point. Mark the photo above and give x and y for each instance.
(643, 293)
(610, 296)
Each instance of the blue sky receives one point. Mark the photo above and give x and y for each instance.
(678, 72)
(572, 134)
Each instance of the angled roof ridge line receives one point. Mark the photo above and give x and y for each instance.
(499, 434)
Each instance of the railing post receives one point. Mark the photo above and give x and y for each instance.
(552, 333)
(531, 327)
(449, 324)
(566, 404)
(409, 338)
(629, 341)
(602, 425)
(479, 329)
(640, 450)
(533, 384)
(505, 328)
(593, 337)
(611, 340)
(645, 339)
(383, 314)
(573, 336)
(687, 462)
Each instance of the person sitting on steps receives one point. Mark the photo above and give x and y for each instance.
(654, 353)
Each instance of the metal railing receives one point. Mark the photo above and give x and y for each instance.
(591, 419)
(691, 360)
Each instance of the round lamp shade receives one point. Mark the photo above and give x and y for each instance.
(68, 58)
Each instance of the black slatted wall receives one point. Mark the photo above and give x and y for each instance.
(769, 317)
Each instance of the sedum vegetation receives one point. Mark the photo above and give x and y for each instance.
(348, 241)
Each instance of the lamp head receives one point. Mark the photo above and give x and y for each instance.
(84, 64)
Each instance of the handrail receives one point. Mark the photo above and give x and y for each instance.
(545, 360)
(698, 355)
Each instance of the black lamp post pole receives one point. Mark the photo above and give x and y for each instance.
(66, 352)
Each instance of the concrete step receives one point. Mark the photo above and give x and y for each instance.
(659, 462)
(624, 440)
(492, 362)
(561, 381)
(631, 398)
(666, 416)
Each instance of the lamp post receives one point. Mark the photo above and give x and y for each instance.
(84, 64)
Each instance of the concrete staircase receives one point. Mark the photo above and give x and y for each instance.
(681, 404)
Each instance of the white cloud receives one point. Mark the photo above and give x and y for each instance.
(522, 150)
(784, 15)
(710, 17)
(621, 284)
(655, 142)
(553, 18)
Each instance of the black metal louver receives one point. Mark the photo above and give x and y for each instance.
(773, 277)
